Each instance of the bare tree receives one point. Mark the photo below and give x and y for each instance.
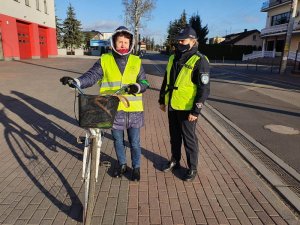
(135, 11)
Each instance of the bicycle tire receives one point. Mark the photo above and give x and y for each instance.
(91, 183)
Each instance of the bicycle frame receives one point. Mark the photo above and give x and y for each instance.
(91, 161)
(91, 133)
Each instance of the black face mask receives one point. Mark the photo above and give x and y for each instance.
(183, 48)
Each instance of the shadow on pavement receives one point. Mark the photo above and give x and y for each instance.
(228, 74)
(45, 108)
(255, 107)
(157, 160)
(29, 152)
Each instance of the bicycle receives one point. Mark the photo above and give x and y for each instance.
(93, 115)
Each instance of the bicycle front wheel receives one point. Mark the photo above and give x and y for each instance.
(90, 182)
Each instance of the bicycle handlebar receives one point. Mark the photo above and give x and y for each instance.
(121, 91)
(76, 86)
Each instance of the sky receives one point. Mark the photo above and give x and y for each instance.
(221, 16)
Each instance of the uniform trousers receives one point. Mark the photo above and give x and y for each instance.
(183, 130)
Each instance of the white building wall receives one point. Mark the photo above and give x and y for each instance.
(18, 9)
(106, 35)
(279, 10)
(249, 40)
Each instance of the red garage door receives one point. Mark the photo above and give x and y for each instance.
(43, 42)
(1, 50)
(24, 40)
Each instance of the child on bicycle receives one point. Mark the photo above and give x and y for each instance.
(112, 71)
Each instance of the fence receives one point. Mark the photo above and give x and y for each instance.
(64, 51)
(271, 54)
(259, 54)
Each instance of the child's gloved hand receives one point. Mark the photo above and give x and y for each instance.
(68, 80)
(132, 89)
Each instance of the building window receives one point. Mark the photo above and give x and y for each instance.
(27, 2)
(254, 37)
(280, 19)
(45, 7)
(38, 4)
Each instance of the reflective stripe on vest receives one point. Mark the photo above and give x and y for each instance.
(185, 90)
(113, 80)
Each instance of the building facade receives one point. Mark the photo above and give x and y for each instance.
(216, 40)
(278, 16)
(27, 29)
(245, 38)
(106, 35)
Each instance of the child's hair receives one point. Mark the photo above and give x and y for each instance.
(122, 34)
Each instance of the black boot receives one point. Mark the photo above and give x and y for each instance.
(172, 165)
(120, 171)
(190, 175)
(136, 176)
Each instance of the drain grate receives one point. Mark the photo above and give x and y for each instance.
(285, 177)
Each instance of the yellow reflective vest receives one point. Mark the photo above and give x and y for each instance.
(113, 80)
(184, 90)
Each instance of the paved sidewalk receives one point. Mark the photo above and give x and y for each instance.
(40, 163)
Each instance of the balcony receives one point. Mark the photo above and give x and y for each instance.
(272, 4)
(278, 29)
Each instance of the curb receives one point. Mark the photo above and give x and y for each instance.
(271, 177)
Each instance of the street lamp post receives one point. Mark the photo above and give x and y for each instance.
(288, 37)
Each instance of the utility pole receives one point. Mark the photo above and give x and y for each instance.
(288, 37)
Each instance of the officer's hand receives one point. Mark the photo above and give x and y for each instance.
(162, 107)
(132, 89)
(192, 118)
(68, 80)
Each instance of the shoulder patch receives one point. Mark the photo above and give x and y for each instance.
(204, 78)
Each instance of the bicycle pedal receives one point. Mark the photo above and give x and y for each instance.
(80, 139)
(106, 164)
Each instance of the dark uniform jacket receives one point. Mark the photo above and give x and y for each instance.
(201, 67)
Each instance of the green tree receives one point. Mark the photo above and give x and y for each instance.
(152, 44)
(201, 32)
(59, 31)
(182, 21)
(87, 37)
(174, 29)
(72, 30)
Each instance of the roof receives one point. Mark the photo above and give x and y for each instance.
(238, 36)
(92, 32)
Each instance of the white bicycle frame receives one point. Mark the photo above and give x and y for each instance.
(96, 132)
(93, 134)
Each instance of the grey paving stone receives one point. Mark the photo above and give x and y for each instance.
(13, 216)
(120, 220)
(28, 212)
(37, 216)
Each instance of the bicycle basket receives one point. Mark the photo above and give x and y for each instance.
(96, 111)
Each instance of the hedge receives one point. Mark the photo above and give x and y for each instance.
(225, 52)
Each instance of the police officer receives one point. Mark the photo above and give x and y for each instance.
(184, 90)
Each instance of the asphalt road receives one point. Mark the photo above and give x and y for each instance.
(263, 104)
